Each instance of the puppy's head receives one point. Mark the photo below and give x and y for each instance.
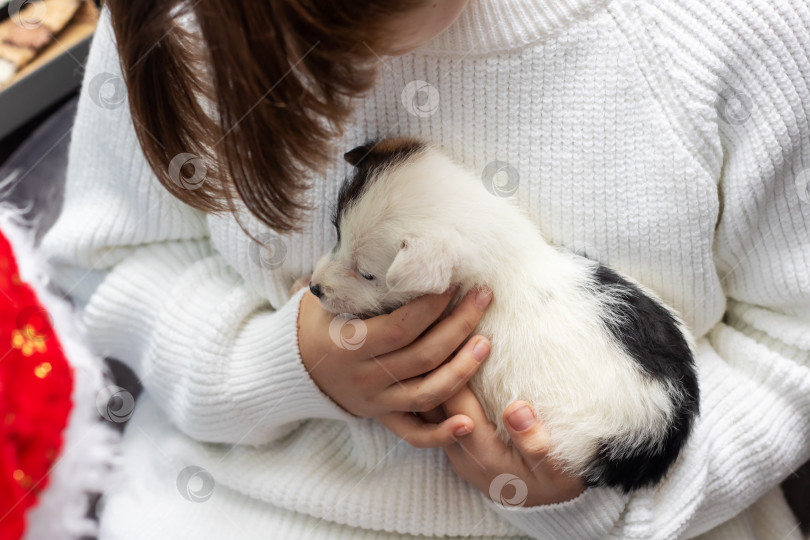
(388, 250)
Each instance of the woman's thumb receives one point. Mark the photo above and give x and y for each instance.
(527, 433)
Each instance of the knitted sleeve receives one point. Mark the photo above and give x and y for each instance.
(221, 363)
(734, 75)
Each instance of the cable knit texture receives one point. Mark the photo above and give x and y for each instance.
(669, 140)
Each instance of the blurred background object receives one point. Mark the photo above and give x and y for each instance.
(27, 31)
(33, 177)
(43, 47)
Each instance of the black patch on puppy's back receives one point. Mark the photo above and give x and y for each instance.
(369, 159)
(651, 336)
(646, 328)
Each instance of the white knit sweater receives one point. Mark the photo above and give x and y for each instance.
(669, 140)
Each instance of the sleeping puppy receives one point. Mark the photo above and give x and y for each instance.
(607, 366)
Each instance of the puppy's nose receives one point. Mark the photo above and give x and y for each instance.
(315, 289)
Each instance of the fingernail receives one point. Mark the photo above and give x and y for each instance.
(481, 350)
(482, 298)
(461, 431)
(522, 419)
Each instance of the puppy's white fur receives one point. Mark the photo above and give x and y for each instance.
(426, 223)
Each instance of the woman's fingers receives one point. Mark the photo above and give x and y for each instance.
(529, 436)
(386, 333)
(425, 393)
(533, 442)
(474, 455)
(439, 343)
(421, 434)
(433, 416)
(465, 403)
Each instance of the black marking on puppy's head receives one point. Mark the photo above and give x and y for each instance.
(651, 336)
(369, 159)
(383, 152)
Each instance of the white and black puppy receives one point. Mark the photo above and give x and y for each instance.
(607, 366)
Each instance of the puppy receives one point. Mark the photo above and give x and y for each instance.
(606, 365)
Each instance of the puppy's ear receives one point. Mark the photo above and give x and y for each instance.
(422, 265)
(355, 155)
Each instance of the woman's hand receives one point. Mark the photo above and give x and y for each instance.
(488, 464)
(384, 368)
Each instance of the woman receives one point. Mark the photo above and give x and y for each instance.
(665, 141)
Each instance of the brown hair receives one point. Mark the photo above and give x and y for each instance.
(279, 76)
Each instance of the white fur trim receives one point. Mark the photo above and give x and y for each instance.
(89, 445)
